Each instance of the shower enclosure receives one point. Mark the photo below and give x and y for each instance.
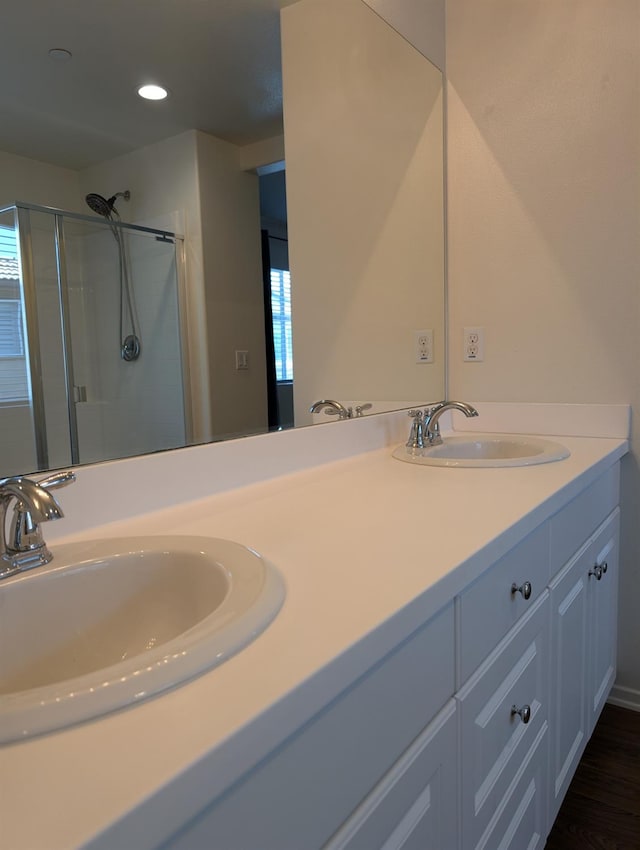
(68, 394)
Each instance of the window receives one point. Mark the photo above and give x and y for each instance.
(14, 381)
(281, 311)
(11, 344)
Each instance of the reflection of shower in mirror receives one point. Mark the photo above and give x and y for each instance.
(68, 398)
(130, 344)
(103, 206)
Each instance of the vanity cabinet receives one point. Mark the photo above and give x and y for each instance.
(317, 779)
(536, 641)
(467, 735)
(583, 650)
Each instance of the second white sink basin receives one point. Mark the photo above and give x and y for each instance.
(109, 623)
(486, 450)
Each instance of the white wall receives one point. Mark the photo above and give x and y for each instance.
(363, 130)
(230, 215)
(544, 217)
(23, 179)
(421, 22)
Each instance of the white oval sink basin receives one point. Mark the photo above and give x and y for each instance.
(109, 623)
(485, 450)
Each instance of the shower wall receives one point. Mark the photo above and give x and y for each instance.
(131, 407)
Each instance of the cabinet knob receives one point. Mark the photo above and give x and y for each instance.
(605, 567)
(524, 713)
(525, 589)
(597, 572)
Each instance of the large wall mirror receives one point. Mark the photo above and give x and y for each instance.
(207, 266)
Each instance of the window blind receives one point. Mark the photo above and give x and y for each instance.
(282, 334)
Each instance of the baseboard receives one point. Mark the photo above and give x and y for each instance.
(625, 697)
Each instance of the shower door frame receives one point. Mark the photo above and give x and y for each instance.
(22, 225)
(67, 341)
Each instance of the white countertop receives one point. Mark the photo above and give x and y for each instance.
(369, 548)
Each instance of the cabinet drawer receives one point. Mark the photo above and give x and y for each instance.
(414, 805)
(495, 742)
(300, 795)
(490, 607)
(575, 523)
(522, 821)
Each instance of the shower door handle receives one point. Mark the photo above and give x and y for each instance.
(79, 393)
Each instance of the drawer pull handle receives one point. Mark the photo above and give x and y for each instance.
(525, 589)
(524, 712)
(597, 572)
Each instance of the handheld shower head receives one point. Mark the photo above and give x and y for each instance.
(103, 206)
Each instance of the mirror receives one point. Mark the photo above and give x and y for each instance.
(364, 181)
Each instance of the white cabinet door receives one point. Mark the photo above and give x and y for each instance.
(583, 651)
(603, 616)
(414, 806)
(568, 692)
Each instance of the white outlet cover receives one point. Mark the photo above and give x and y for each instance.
(473, 345)
(423, 344)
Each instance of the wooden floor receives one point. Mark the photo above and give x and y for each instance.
(602, 808)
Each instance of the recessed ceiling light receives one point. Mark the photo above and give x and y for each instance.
(60, 54)
(152, 92)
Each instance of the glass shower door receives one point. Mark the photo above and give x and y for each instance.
(73, 290)
(124, 285)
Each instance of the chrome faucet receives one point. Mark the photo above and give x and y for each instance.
(416, 435)
(432, 415)
(332, 407)
(24, 547)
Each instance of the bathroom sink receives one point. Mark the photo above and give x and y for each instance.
(109, 623)
(485, 450)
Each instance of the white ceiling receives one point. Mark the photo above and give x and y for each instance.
(220, 60)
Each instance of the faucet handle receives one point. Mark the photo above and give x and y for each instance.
(416, 435)
(360, 408)
(58, 479)
(430, 409)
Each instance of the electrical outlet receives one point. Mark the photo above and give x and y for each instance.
(473, 345)
(424, 346)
